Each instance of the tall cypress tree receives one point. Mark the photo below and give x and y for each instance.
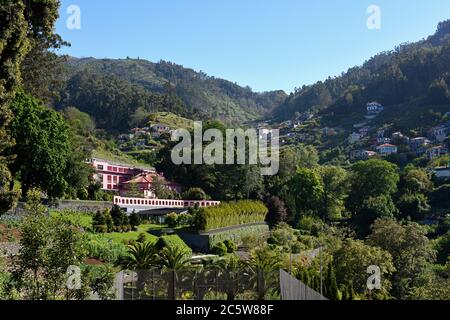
(332, 291)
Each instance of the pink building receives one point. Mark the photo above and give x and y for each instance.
(110, 175)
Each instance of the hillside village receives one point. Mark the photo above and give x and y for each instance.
(368, 141)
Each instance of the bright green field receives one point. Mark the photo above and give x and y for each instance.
(120, 237)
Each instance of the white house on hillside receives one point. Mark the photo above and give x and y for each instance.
(374, 108)
(387, 149)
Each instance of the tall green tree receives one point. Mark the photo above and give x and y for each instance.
(414, 188)
(373, 184)
(307, 189)
(336, 186)
(411, 251)
(351, 261)
(42, 146)
(23, 21)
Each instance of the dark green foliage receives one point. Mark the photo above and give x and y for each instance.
(8, 198)
(185, 92)
(195, 194)
(310, 225)
(172, 220)
(184, 219)
(443, 248)
(24, 25)
(220, 181)
(118, 215)
(440, 197)
(332, 290)
(135, 219)
(413, 205)
(103, 222)
(306, 187)
(231, 246)
(114, 220)
(99, 218)
(220, 249)
(98, 95)
(141, 238)
(410, 249)
(373, 183)
(42, 146)
(277, 211)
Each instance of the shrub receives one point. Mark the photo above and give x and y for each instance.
(172, 241)
(195, 194)
(105, 250)
(141, 238)
(310, 225)
(118, 215)
(231, 246)
(282, 235)
(297, 247)
(83, 194)
(184, 219)
(103, 228)
(99, 219)
(220, 249)
(135, 219)
(172, 220)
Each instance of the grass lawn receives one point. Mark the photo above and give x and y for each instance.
(133, 235)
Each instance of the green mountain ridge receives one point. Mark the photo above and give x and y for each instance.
(412, 79)
(201, 94)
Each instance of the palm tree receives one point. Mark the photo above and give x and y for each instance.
(263, 264)
(230, 270)
(141, 257)
(171, 259)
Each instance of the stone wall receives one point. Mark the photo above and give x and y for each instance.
(82, 206)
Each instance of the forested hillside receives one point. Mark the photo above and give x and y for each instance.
(115, 89)
(410, 81)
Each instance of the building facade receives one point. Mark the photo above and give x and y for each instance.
(110, 175)
(387, 149)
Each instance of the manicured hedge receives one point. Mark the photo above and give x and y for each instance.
(237, 234)
(231, 214)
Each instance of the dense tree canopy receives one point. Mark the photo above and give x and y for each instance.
(23, 23)
(307, 189)
(411, 251)
(373, 183)
(42, 146)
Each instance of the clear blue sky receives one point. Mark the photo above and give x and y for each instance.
(265, 44)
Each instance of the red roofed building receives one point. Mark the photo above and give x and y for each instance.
(144, 183)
